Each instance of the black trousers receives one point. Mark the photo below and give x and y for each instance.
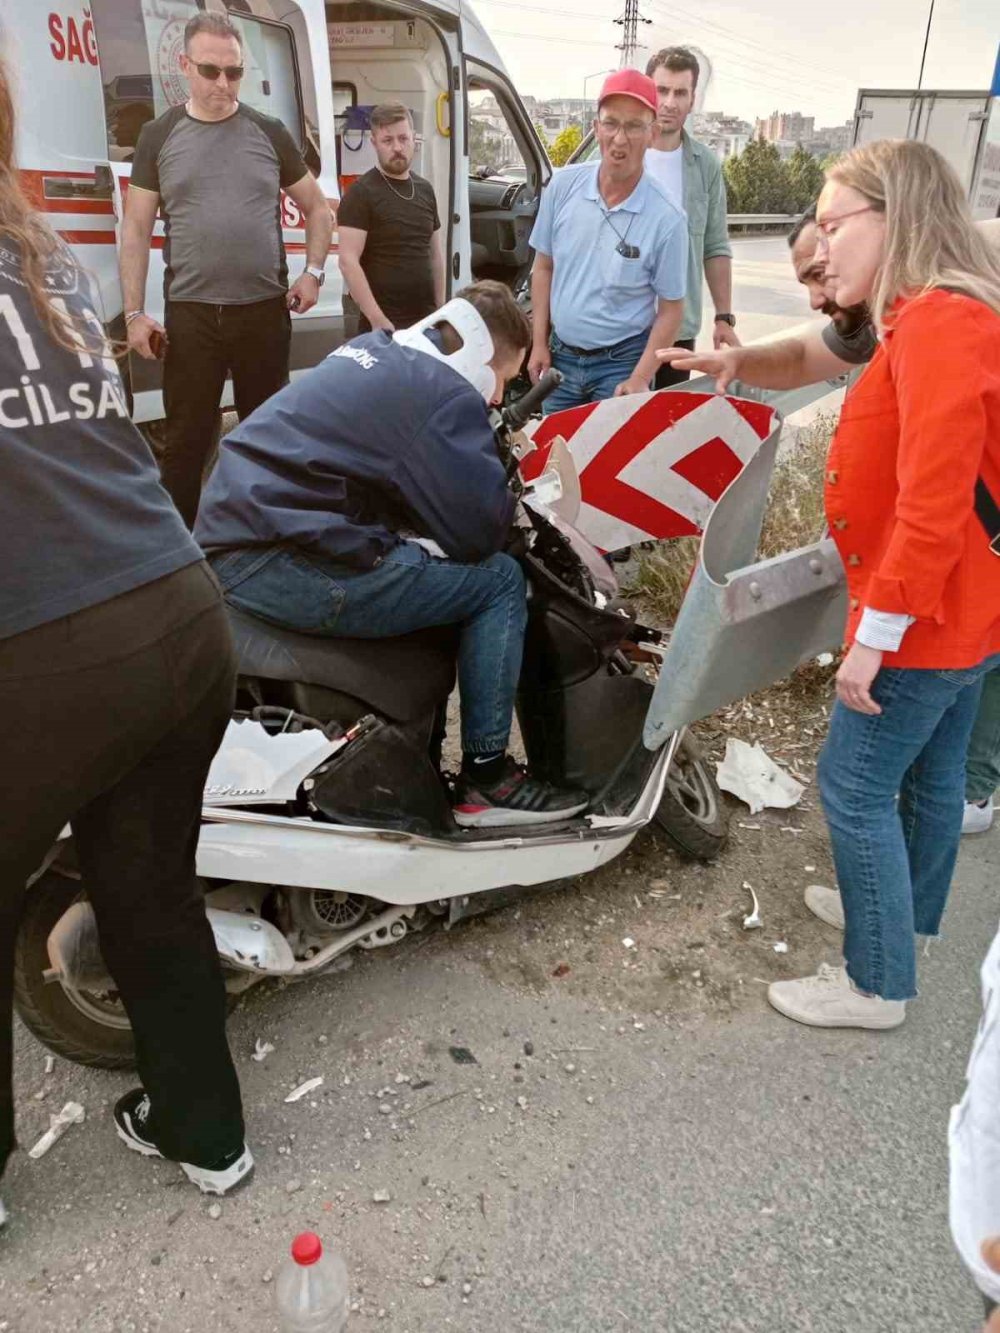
(205, 344)
(111, 719)
(667, 376)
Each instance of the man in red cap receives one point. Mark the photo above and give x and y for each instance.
(611, 249)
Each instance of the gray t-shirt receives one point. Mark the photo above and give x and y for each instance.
(857, 348)
(219, 184)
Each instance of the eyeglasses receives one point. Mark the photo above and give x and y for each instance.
(824, 226)
(634, 129)
(233, 73)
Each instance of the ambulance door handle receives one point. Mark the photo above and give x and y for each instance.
(104, 182)
(456, 265)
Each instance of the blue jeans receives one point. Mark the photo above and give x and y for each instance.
(895, 859)
(982, 769)
(407, 591)
(587, 379)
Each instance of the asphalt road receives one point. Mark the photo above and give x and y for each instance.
(745, 1174)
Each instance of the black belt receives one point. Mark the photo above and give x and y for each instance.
(988, 514)
(594, 351)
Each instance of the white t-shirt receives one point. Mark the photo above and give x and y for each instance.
(668, 169)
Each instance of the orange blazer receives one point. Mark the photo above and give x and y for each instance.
(916, 430)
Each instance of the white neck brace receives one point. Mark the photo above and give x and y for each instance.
(472, 358)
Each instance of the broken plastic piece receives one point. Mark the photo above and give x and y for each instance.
(71, 1114)
(304, 1088)
(754, 778)
(628, 942)
(781, 947)
(261, 1050)
(752, 920)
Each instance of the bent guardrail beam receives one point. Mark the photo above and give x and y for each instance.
(743, 624)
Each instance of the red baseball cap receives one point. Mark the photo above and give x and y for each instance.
(630, 83)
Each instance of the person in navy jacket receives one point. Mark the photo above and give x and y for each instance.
(368, 500)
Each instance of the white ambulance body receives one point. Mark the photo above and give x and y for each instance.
(87, 77)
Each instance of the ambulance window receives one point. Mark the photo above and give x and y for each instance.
(271, 81)
(126, 73)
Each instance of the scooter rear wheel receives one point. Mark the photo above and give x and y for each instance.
(89, 1029)
(691, 812)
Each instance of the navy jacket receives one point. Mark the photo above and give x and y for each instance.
(375, 440)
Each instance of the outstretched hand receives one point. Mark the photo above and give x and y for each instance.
(724, 364)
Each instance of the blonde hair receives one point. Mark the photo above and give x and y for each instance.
(930, 238)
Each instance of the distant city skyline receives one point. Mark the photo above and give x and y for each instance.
(764, 54)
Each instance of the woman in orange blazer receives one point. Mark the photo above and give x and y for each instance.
(919, 436)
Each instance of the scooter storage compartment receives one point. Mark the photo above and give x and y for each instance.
(384, 778)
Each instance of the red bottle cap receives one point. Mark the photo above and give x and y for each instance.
(307, 1248)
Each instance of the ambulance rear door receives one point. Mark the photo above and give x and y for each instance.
(62, 147)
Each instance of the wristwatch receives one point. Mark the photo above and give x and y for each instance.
(726, 319)
(318, 273)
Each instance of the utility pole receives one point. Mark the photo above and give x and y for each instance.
(629, 24)
(927, 37)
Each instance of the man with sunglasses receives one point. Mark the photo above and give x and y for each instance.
(611, 248)
(214, 168)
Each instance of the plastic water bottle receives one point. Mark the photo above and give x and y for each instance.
(311, 1290)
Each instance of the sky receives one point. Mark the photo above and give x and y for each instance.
(767, 55)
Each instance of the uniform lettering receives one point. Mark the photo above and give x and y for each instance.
(364, 359)
(79, 396)
(52, 413)
(15, 324)
(12, 423)
(32, 401)
(110, 400)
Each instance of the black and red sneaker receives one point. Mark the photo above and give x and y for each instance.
(513, 798)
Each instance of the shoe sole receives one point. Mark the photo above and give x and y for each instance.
(196, 1174)
(821, 914)
(495, 816)
(820, 1023)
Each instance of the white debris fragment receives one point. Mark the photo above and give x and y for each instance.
(781, 947)
(381, 1196)
(215, 1211)
(304, 1088)
(261, 1050)
(754, 778)
(71, 1114)
(50, 1063)
(752, 920)
(825, 659)
(628, 942)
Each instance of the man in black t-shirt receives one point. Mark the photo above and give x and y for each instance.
(214, 168)
(389, 231)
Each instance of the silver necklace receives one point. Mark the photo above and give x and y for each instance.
(407, 198)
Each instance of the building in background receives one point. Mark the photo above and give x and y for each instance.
(786, 127)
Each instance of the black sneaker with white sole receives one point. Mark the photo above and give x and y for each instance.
(131, 1122)
(515, 797)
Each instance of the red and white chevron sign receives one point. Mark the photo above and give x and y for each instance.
(651, 465)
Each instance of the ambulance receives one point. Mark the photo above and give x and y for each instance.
(88, 77)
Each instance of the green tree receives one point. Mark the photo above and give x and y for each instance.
(757, 181)
(805, 176)
(565, 144)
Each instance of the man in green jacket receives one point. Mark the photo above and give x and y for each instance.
(692, 176)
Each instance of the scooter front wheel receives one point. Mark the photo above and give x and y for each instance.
(691, 812)
(87, 1028)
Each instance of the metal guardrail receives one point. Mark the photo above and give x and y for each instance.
(786, 401)
(778, 222)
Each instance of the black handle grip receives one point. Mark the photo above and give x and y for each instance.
(525, 408)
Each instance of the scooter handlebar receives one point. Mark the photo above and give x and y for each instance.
(518, 413)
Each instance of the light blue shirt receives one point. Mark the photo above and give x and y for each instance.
(600, 297)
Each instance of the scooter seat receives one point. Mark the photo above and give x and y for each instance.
(404, 678)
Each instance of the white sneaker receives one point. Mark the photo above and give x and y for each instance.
(977, 818)
(828, 1000)
(826, 904)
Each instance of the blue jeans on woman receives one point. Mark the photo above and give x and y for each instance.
(893, 790)
(408, 590)
(587, 379)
